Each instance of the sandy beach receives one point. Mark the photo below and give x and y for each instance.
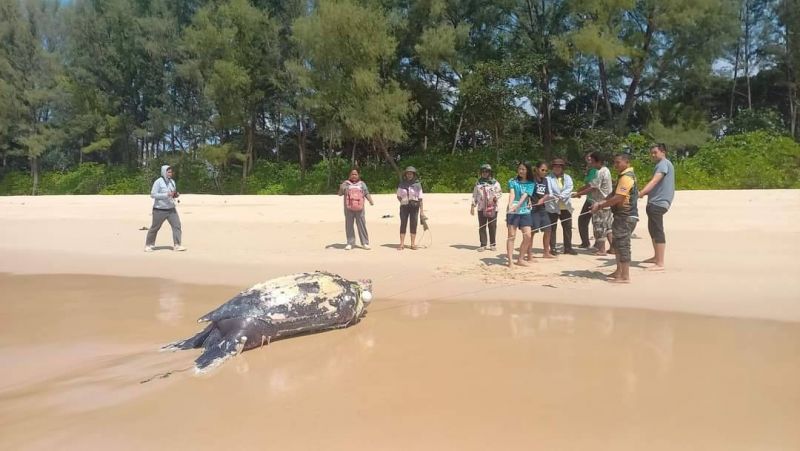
(456, 352)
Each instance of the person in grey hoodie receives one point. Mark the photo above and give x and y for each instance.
(165, 193)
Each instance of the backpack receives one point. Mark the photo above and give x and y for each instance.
(490, 206)
(354, 197)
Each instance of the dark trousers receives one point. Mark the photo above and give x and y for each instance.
(566, 226)
(655, 223)
(409, 213)
(583, 223)
(159, 216)
(485, 223)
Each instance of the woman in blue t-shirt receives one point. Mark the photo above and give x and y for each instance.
(520, 189)
(540, 220)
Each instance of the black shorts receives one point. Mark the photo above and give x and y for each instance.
(655, 223)
(540, 220)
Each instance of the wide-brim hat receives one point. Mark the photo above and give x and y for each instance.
(410, 169)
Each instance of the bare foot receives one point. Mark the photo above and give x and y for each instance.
(649, 260)
(522, 263)
(612, 251)
(401, 247)
(510, 264)
(548, 256)
(655, 268)
(413, 247)
(613, 275)
(619, 281)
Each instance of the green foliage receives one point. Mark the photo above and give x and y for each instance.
(756, 160)
(747, 161)
(753, 120)
(679, 137)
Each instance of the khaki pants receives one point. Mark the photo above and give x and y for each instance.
(601, 222)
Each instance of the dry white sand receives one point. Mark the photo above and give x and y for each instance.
(729, 253)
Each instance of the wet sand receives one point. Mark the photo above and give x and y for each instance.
(457, 352)
(411, 375)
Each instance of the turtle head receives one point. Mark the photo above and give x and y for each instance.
(365, 289)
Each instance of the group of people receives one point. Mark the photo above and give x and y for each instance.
(539, 198)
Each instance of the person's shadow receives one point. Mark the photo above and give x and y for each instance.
(495, 261)
(466, 247)
(584, 273)
(335, 246)
(613, 262)
(162, 248)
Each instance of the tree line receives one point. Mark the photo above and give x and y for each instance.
(231, 83)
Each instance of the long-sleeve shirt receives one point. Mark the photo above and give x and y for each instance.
(561, 188)
(486, 192)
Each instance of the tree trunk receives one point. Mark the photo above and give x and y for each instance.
(353, 155)
(35, 175)
(595, 106)
(747, 53)
(636, 75)
(735, 77)
(604, 86)
(384, 150)
(544, 112)
(458, 129)
(249, 130)
(425, 133)
(277, 136)
(301, 147)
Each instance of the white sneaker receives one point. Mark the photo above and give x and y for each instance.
(492, 248)
(178, 248)
(348, 247)
(482, 248)
(365, 246)
(148, 248)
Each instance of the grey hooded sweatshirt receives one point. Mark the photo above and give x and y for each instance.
(161, 189)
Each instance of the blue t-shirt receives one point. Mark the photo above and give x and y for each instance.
(520, 187)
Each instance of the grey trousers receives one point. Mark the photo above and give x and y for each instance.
(361, 223)
(159, 216)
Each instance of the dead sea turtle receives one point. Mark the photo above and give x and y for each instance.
(290, 305)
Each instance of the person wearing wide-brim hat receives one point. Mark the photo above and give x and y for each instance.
(486, 197)
(561, 187)
(409, 193)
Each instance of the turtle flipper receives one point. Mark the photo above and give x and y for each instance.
(196, 341)
(217, 350)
